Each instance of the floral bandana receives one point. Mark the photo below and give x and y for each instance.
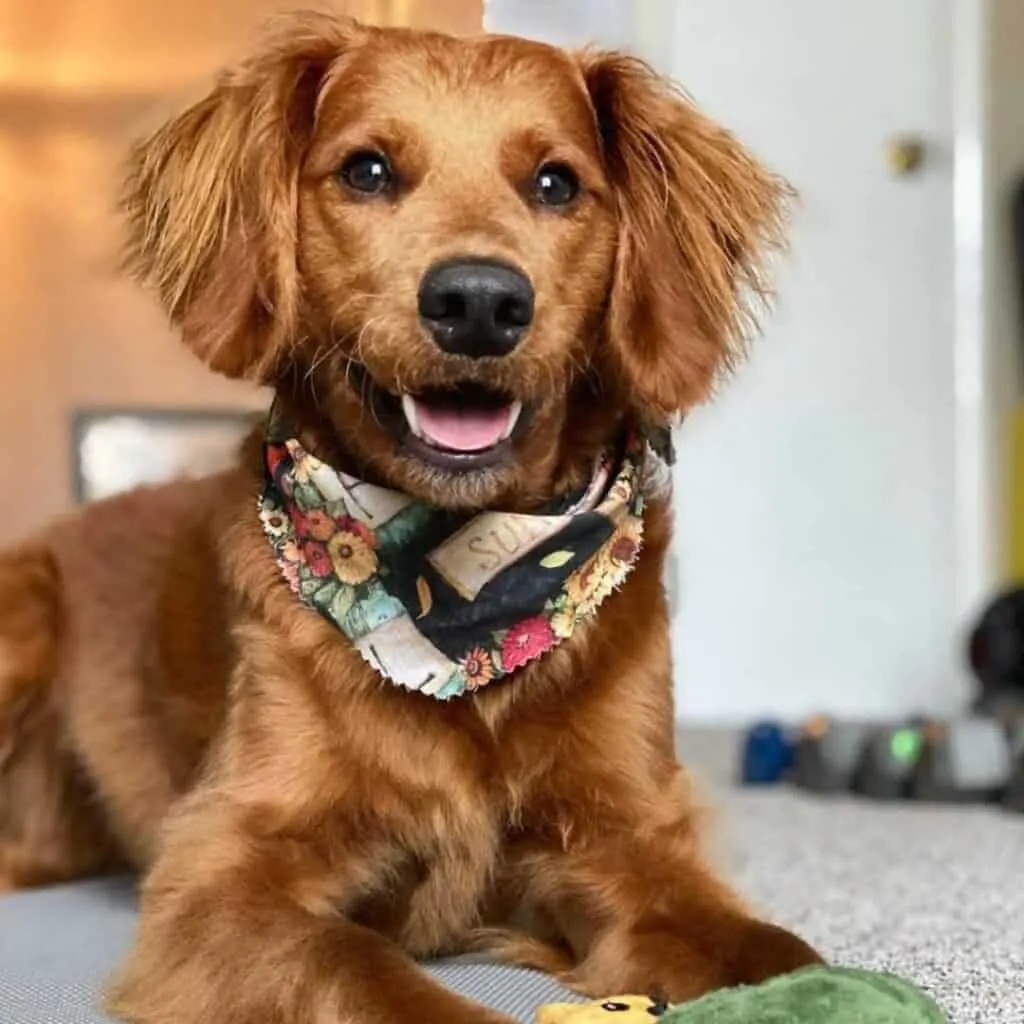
(445, 602)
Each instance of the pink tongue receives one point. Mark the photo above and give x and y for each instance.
(462, 430)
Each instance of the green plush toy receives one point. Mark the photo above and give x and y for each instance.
(815, 995)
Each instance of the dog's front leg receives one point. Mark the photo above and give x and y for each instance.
(640, 909)
(239, 928)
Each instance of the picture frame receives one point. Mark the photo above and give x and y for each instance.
(116, 449)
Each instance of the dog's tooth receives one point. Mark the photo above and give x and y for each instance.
(409, 408)
(513, 418)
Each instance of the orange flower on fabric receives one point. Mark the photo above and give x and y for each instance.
(584, 584)
(353, 559)
(478, 668)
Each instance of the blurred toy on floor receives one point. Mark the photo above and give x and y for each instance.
(976, 758)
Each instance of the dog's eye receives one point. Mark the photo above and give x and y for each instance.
(613, 1007)
(367, 172)
(556, 185)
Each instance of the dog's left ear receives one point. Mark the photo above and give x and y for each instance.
(697, 216)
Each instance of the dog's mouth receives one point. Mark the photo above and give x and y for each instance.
(458, 428)
(464, 427)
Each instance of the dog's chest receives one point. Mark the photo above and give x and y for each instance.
(439, 878)
(452, 840)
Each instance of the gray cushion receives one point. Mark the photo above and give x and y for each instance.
(57, 946)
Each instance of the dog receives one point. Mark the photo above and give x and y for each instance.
(480, 275)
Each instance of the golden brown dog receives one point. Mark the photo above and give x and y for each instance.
(399, 232)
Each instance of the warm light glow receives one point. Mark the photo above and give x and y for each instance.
(93, 47)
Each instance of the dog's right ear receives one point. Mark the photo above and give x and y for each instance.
(211, 200)
(699, 216)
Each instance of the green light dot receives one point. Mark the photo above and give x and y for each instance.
(905, 744)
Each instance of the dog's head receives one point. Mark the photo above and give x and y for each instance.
(469, 260)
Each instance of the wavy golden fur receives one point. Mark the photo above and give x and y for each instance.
(304, 830)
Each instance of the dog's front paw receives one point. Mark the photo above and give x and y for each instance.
(684, 965)
(766, 950)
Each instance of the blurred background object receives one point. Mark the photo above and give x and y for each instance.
(79, 80)
(116, 450)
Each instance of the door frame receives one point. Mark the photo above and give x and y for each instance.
(977, 415)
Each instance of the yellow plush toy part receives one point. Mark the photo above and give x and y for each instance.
(617, 1010)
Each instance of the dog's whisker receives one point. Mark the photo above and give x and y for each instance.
(323, 355)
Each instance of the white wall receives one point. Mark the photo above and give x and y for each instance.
(562, 22)
(816, 498)
(835, 506)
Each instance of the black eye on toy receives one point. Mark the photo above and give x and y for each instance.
(659, 1004)
(613, 1007)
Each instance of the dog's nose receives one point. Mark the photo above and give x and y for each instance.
(476, 307)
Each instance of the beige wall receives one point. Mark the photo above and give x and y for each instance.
(72, 332)
(1004, 168)
(1005, 138)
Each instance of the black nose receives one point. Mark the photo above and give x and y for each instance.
(476, 307)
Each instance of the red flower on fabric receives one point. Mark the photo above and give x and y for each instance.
(276, 454)
(300, 522)
(319, 525)
(317, 558)
(525, 641)
(359, 529)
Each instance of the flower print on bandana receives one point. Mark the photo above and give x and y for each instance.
(442, 603)
(353, 558)
(525, 641)
(478, 668)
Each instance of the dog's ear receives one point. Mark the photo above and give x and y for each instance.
(697, 217)
(210, 200)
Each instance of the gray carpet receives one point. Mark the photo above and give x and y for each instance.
(934, 894)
